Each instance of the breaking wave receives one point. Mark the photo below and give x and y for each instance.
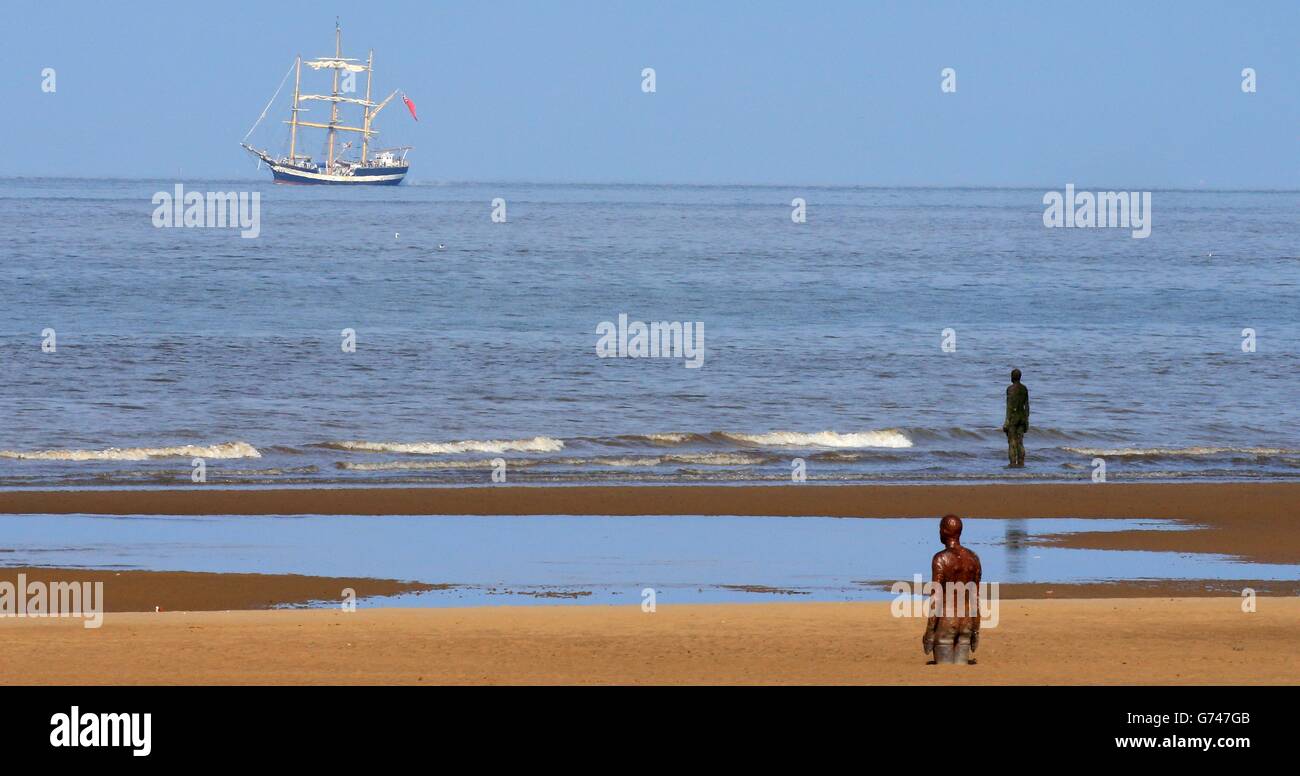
(397, 466)
(226, 450)
(862, 439)
(980, 435)
(1176, 452)
(702, 459)
(535, 445)
(674, 438)
(617, 462)
(886, 438)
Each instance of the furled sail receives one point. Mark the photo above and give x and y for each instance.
(335, 98)
(336, 64)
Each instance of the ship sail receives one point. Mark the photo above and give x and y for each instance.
(388, 166)
(333, 98)
(336, 64)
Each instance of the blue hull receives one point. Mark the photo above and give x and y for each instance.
(371, 176)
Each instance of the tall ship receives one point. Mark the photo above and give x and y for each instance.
(345, 162)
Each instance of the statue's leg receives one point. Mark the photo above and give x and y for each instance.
(1011, 446)
(945, 643)
(961, 654)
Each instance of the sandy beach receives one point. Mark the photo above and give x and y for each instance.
(1136, 631)
(1133, 641)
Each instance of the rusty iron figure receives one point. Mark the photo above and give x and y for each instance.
(952, 632)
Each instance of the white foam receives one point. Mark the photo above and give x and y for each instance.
(1178, 451)
(861, 439)
(535, 445)
(672, 438)
(225, 450)
(718, 459)
(621, 463)
(386, 466)
(709, 459)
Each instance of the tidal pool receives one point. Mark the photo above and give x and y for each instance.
(596, 559)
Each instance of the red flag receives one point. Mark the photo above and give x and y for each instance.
(410, 106)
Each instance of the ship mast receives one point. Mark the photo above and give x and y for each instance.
(293, 132)
(365, 136)
(334, 105)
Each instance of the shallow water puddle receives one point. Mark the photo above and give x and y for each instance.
(595, 559)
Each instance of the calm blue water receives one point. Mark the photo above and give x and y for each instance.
(486, 347)
(497, 560)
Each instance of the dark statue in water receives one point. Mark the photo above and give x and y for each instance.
(1017, 420)
(953, 633)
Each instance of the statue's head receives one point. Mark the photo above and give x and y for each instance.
(1015, 375)
(949, 530)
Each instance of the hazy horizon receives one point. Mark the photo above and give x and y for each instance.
(415, 181)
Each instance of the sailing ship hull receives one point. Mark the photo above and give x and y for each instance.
(370, 176)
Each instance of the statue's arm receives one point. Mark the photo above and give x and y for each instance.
(936, 574)
(975, 626)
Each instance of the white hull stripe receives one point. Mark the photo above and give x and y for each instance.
(316, 176)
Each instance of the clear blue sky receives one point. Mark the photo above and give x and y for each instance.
(1133, 94)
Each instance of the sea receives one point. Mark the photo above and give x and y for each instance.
(459, 334)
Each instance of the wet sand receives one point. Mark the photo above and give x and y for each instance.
(184, 591)
(1131, 641)
(1140, 588)
(173, 591)
(1255, 521)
